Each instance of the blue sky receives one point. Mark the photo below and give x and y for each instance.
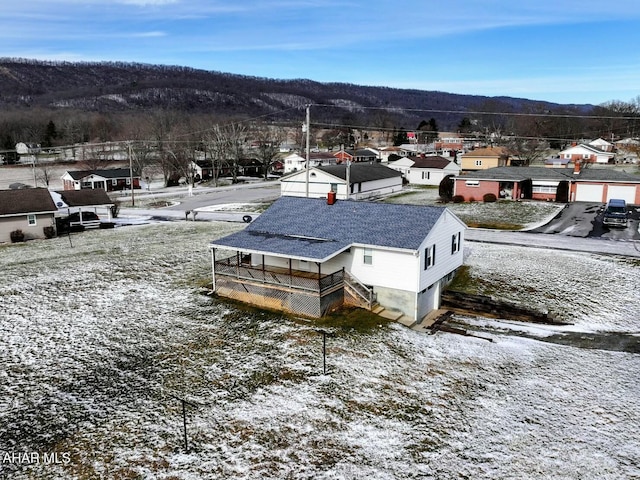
(565, 51)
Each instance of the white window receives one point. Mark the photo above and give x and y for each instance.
(429, 256)
(31, 220)
(543, 189)
(478, 163)
(586, 156)
(472, 183)
(367, 256)
(455, 243)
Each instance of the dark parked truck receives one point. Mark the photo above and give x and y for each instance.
(615, 213)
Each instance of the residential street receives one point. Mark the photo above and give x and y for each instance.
(555, 241)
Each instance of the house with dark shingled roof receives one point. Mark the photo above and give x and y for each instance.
(30, 210)
(109, 180)
(356, 181)
(554, 184)
(308, 256)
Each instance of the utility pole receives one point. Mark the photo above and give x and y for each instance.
(307, 126)
(129, 150)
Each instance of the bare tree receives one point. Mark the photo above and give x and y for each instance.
(268, 140)
(44, 173)
(226, 143)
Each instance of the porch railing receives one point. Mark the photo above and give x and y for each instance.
(295, 279)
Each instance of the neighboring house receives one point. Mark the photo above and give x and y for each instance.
(557, 162)
(387, 152)
(586, 153)
(309, 256)
(602, 144)
(554, 184)
(361, 155)
(30, 210)
(365, 181)
(295, 162)
(94, 200)
(484, 158)
(109, 180)
(428, 170)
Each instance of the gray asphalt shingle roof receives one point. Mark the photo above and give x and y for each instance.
(519, 174)
(361, 172)
(26, 201)
(311, 229)
(105, 173)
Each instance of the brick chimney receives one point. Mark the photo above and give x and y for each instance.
(331, 198)
(577, 165)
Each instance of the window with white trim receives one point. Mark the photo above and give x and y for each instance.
(455, 243)
(478, 163)
(31, 220)
(472, 183)
(543, 189)
(128, 181)
(429, 256)
(114, 181)
(367, 256)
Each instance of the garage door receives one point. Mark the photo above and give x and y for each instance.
(589, 193)
(626, 193)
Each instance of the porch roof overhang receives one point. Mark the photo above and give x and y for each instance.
(284, 246)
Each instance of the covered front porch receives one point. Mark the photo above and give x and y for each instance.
(301, 292)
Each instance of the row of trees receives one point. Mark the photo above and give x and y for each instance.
(168, 140)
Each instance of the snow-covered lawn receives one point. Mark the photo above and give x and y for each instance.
(99, 341)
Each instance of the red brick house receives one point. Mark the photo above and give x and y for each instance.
(553, 184)
(109, 180)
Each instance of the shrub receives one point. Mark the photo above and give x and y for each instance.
(457, 199)
(471, 200)
(489, 197)
(17, 236)
(49, 232)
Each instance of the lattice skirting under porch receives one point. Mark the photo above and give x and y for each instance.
(308, 304)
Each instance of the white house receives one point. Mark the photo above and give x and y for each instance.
(365, 181)
(586, 153)
(602, 144)
(428, 170)
(309, 256)
(295, 162)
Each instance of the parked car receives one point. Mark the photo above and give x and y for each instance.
(615, 213)
(79, 221)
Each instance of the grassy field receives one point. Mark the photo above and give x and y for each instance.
(503, 215)
(101, 340)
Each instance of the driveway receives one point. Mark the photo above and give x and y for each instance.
(581, 219)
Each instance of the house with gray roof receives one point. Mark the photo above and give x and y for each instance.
(356, 181)
(109, 179)
(92, 200)
(30, 210)
(553, 184)
(308, 256)
(425, 169)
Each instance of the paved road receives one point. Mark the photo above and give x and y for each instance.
(572, 230)
(559, 242)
